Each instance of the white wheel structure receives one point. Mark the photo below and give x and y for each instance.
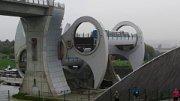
(20, 46)
(135, 55)
(98, 57)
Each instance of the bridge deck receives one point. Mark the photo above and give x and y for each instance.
(25, 8)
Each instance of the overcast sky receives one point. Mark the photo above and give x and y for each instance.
(158, 19)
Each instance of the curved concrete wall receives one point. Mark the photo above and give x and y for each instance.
(20, 44)
(161, 74)
(54, 67)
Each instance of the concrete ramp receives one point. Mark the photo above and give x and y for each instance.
(156, 79)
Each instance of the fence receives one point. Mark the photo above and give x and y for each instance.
(78, 95)
(40, 2)
(4, 95)
(144, 95)
(86, 95)
(90, 95)
(121, 36)
(147, 95)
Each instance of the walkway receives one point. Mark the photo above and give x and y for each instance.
(28, 8)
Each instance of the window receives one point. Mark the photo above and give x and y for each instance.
(34, 82)
(34, 49)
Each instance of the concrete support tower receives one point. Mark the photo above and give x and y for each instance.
(44, 72)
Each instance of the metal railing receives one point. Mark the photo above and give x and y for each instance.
(49, 3)
(121, 36)
(144, 95)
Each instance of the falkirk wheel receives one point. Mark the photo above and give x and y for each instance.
(56, 63)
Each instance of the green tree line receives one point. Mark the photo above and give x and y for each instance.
(7, 48)
(150, 53)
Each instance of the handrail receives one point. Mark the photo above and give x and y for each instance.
(49, 3)
(121, 36)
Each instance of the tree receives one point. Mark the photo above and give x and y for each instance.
(7, 47)
(150, 52)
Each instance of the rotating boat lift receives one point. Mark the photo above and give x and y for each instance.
(65, 53)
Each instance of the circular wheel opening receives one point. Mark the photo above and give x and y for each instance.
(86, 38)
(128, 35)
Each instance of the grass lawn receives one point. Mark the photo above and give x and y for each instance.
(5, 62)
(120, 64)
